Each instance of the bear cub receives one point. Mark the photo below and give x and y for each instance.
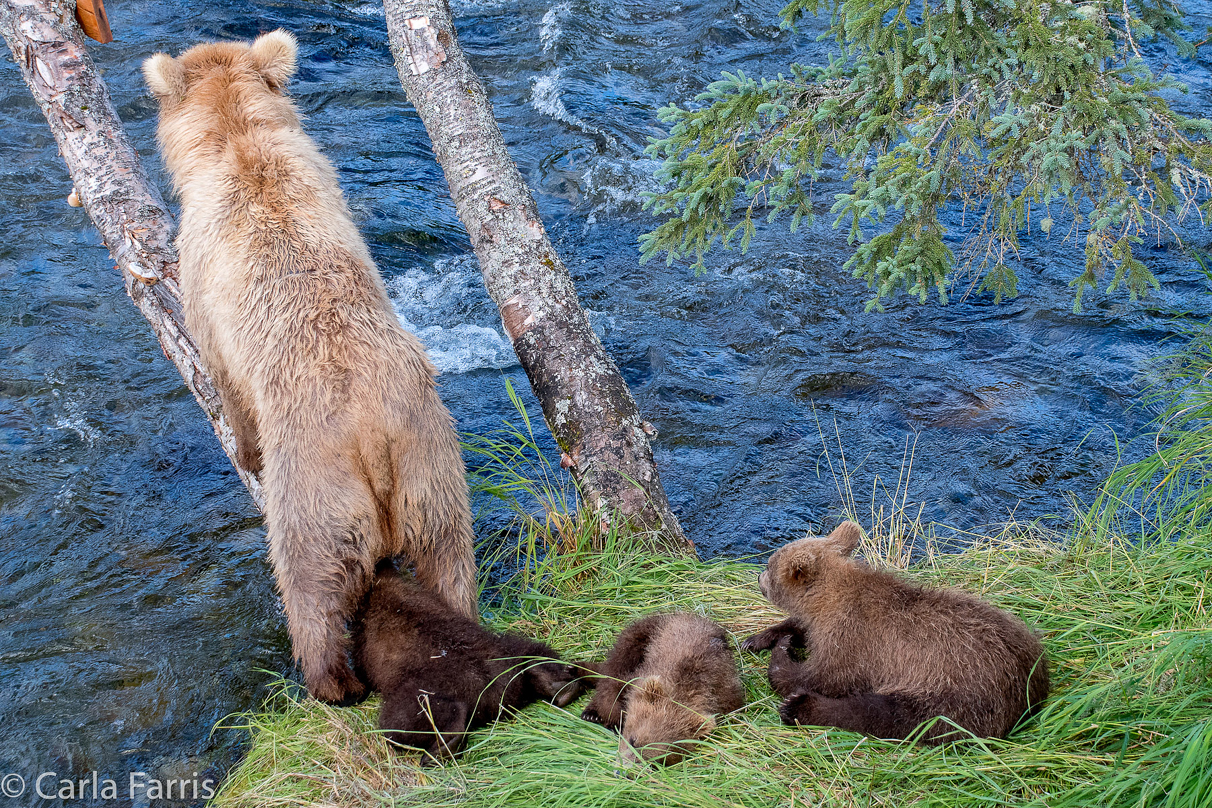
(328, 398)
(663, 684)
(441, 674)
(885, 655)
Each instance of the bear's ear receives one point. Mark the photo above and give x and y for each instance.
(650, 688)
(275, 56)
(845, 537)
(800, 569)
(165, 77)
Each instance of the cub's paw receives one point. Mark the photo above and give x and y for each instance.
(799, 708)
(785, 672)
(611, 719)
(765, 640)
(567, 691)
(561, 684)
(762, 641)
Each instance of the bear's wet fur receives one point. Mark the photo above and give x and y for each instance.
(885, 656)
(441, 674)
(329, 399)
(663, 684)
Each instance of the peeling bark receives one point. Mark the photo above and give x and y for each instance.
(585, 401)
(110, 183)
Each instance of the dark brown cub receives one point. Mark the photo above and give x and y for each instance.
(441, 674)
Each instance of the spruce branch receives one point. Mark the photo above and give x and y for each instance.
(1020, 111)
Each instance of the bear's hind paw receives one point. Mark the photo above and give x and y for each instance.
(798, 708)
(339, 688)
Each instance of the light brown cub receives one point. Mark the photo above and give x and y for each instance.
(329, 398)
(665, 681)
(884, 655)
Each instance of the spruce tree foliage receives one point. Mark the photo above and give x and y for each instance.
(1018, 114)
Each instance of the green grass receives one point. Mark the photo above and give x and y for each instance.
(1123, 604)
(1129, 721)
(1171, 488)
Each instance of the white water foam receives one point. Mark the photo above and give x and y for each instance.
(73, 419)
(469, 8)
(615, 180)
(549, 27)
(459, 8)
(616, 185)
(428, 300)
(545, 97)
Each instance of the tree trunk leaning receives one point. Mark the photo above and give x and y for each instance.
(112, 186)
(585, 400)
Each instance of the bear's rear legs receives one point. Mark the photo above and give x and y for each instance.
(614, 675)
(441, 550)
(317, 632)
(319, 604)
(880, 715)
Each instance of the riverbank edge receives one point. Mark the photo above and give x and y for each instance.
(1129, 722)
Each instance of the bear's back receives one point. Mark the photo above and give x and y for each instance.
(903, 637)
(404, 628)
(692, 656)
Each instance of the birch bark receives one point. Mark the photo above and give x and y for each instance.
(585, 400)
(112, 186)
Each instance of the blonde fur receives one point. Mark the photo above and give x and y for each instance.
(328, 396)
(164, 76)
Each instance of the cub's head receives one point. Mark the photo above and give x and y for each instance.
(220, 86)
(656, 727)
(795, 568)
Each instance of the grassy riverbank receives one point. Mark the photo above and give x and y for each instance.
(1128, 628)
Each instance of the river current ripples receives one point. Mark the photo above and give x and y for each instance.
(137, 608)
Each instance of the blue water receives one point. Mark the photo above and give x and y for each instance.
(136, 605)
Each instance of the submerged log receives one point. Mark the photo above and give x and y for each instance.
(111, 185)
(585, 400)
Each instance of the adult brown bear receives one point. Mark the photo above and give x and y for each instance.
(885, 656)
(328, 397)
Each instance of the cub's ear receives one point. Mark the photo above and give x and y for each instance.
(165, 77)
(275, 55)
(845, 537)
(650, 688)
(800, 569)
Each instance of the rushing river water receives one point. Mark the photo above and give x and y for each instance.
(136, 605)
